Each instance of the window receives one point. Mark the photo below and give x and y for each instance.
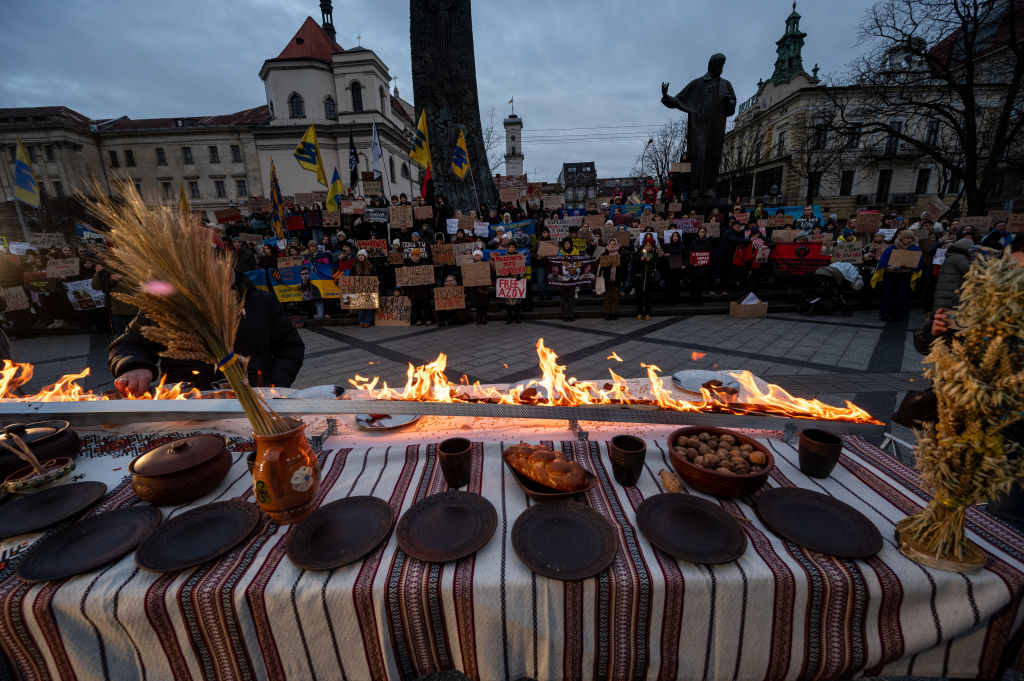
(846, 183)
(193, 189)
(186, 153)
(820, 136)
(241, 188)
(214, 154)
(58, 188)
(924, 176)
(405, 170)
(357, 97)
(383, 101)
(12, 152)
(165, 187)
(884, 182)
(892, 143)
(391, 165)
(296, 106)
(513, 150)
(330, 110)
(813, 185)
(114, 162)
(129, 158)
(780, 143)
(853, 136)
(236, 153)
(49, 152)
(218, 186)
(33, 154)
(161, 157)
(931, 135)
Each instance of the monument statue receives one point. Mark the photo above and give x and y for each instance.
(708, 100)
(444, 83)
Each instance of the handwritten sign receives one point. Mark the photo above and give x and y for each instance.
(511, 288)
(546, 248)
(444, 254)
(700, 258)
(784, 235)
(463, 253)
(375, 248)
(609, 260)
(377, 215)
(888, 233)
(450, 298)
(902, 257)
(679, 167)
(675, 206)
(284, 262)
(781, 220)
(423, 212)
(304, 198)
(940, 256)
(14, 298)
(976, 221)
(936, 208)
(259, 204)
(1015, 223)
(46, 239)
(508, 195)
(850, 252)
(594, 222)
(394, 311)
(352, 207)
(476, 274)
(481, 229)
(401, 217)
(414, 275)
(396, 257)
(868, 222)
(65, 267)
(351, 285)
(332, 218)
(506, 265)
(373, 188)
(714, 229)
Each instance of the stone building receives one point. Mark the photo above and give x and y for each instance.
(580, 183)
(514, 145)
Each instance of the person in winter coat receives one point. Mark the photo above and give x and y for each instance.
(450, 317)
(699, 265)
(245, 257)
(364, 268)
(732, 275)
(479, 295)
(675, 257)
(613, 278)
(896, 281)
(645, 277)
(268, 261)
(420, 296)
(568, 292)
(265, 335)
(951, 275)
(513, 306)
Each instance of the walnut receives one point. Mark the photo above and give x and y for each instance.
(692, 442)
(720, 469)
(691, 453)
(747, 448)
(728, 438)
(704, 437)
(757, 457)
(700, 461)
(734, 452)
(705, 449)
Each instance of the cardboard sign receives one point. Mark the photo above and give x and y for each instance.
(936, 208)
(287, 200)
(781, 220)
(352, 207)
(687, 225)
(683, 167)
(14, 298)
(259, 204)
(609, 260)
(409, 246)
(352, 285)
(466, 223)
(547, 248)
(227, 216)
(304, 198)
(423, 212)
(46, 239)
(376, 215)
(700, 258)
(393, 311)
(481, 229)
(634, 233)
(714, 229)
(83, 296)
(511, 288)
(509, 195)
(476, 274)
(784, 235)
(940, 256)
(868, 222)
(66, 267)
(850, 252)
(981, 222)
(594, 222)
(284, 262)
(1014, 223)
(450, 298)
(669, 232)
(463, 253)
(506, 265)
(396, 258)
(401, 217)
(444, 254)
(675, 206)
(319, 196)
(534, 190)
(902, 257)
(996, 216)
(414, 275)
(250, 238)
(820, 238)
(375, 248)
(373, 188)
(332, 218)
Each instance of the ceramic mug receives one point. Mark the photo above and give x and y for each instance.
(819, 451)
(627, 454)
(456, 456)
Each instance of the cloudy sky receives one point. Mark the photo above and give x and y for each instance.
(585, 75)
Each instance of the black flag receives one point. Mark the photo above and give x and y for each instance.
(353, 163)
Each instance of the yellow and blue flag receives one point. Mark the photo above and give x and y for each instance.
(183, 208)
(308, 155)
(420, 153)
(26, 189)
(334, 192)
(276, 204)
(460, 159)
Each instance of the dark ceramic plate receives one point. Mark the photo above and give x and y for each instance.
(88, 544)
(42, 509)
(818, 522)
(340, 533)
(540, 492)
(564, 540)
(447, 526)
(197, 536)
(691, 528)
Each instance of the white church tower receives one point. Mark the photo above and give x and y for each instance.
(513, 145)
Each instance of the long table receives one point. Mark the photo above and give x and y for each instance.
(778, 612)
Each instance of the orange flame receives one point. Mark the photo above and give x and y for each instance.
(13, 375)
(428, 383)
(697, 355)
(614, 356)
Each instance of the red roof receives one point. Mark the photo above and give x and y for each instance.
(70, 115)
(253, 116)
(311, 42)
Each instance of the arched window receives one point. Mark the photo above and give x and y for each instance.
(330, 111)
(391, 165)
(383, 101)
(296, 106)
(357, 97)
(405, 170)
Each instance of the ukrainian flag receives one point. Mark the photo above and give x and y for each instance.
(420, 153)
(334, 192)
(26, 189)
(460, 159)
(308, 155)
(276, 204)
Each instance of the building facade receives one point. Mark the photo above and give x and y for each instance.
(580, 183)
(514, 145)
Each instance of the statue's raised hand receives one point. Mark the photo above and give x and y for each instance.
(664, 89)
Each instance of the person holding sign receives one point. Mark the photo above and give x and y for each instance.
(675, 253)
(898, 270)
(420, 296)
(513, 306)
(479, 295)
(613, 277)
(568, 293)
(699, 265)
(364, 268)
(645, 277)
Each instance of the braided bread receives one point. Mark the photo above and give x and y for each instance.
(546, 467)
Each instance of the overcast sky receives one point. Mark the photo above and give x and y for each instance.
(579, 71)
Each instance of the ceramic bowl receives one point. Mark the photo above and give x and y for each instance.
(712, 482)
(27, 480)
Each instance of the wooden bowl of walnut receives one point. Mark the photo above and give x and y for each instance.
(719, 461)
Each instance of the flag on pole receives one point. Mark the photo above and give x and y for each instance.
(460, 159)
(183, 208)
(26, 189)
(512, 100)
(308, 155)
(353, 163)
(376, 153)
(420, 153)
(334, 192)
(276, 204)
(426, 180)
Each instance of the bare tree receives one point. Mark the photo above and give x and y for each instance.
(818, 149)
(944, 79)
(661, 151)
(493, 138)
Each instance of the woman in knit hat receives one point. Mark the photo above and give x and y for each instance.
(364, 268)
(566, 289)
(479, 295)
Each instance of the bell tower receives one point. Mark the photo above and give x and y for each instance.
(327, 20)
(789, 62)
(514, 145)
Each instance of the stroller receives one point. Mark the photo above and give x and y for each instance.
(829, 290)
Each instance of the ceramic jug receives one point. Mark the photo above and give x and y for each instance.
(286, 475)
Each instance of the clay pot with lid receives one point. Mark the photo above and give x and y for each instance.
(181, 471)
(46, 439)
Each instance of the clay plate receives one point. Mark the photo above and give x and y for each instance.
(447, 526)
(340, 533)
(691, 529)
(818, 522)
(564, 540)
(35, 511)
(197, 536)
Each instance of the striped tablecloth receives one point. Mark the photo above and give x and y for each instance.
(779, 612)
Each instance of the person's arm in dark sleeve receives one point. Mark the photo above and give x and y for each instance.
(133, 351)
(286, 347)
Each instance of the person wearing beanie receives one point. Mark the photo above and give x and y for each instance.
(420, 296)
(896, 281)
(568, 292)
(513, 306)
(364, 268)
(479, 295)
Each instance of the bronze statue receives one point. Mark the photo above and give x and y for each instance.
(708, 100)
(444, 83)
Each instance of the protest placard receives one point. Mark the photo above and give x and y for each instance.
(609, 260)
(304, 198)
(981, 222)
(940, 256)
(547, 248)
(452, 225)
(868, 222)
(423, 212)
(506, 265)
(287, 200)
(481, 229)
(373, 188)
(226, 216)
(784, 235)
(820, 238)
(284, 262)
(376, 215)
(355, 207)
(375, 248)
(571, 270)
(534, 190)
(1014, 223)
(444, 254)
(700, 258)
(683, 167)
(645, 220)
(675, 206)
(465, 223)
(393, 311)
(714, 229)
(353, 285)
(46, 239)
(414, 275)
(463, 253)
(995, 216)
(449, 298)
(476, 274)
(888, 233)
(319, 196)
(763, 254)
(594, 222)
(781, 220)
(250, 238)
(401, 217)
(687, 225)
(259, 204)
(83, 296)
(848, 251)
(607, 231)
(511, 288)
(14, 298)
(667, 236)
(634, 233)
(332, 218)
(936, 208)
(509, 194)
(396, 257)
(409, 246)
(64, 267)
(903, 257)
